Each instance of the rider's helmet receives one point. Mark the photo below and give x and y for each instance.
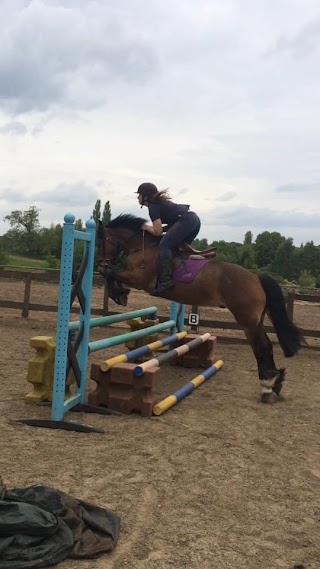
(147, 190)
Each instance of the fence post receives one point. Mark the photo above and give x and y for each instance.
(290, 305)
(27, 292)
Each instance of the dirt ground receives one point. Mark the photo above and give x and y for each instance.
(220, 481)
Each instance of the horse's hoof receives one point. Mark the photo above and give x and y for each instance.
(266, 397)
(279, 381)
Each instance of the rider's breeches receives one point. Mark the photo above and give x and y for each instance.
(184, 230)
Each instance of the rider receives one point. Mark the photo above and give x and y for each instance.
(183, 226)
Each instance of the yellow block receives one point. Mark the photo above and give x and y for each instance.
(41, 370)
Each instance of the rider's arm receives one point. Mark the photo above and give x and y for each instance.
(155, 229)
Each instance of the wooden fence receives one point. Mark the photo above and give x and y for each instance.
(50, 277)
(26, 305)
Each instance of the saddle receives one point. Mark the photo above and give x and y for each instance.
(188, 251)
(209, 253)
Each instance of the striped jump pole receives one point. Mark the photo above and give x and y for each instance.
(141, 351)
(173, 399)
(165, 358)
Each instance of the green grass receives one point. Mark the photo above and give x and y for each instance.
(25, 262)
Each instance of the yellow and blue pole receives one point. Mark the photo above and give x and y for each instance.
(141, 351)
(169, 356)
(173, 399)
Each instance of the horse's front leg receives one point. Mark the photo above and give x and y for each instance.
(271, 378)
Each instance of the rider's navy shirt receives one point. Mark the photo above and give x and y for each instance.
(168, 212)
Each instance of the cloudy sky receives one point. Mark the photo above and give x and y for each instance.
(216, 99)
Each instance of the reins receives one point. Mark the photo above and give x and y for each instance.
(118, 249)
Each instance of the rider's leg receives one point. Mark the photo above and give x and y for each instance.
(165, 282)
(185, 229)
(192, 225)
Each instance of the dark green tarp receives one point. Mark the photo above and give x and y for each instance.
(41, 526)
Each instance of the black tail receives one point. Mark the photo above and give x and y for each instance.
(289, 335)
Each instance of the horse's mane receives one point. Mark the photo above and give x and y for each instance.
(127, 221)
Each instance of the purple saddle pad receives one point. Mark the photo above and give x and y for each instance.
(188, 270)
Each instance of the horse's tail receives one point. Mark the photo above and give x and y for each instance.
(289, 336)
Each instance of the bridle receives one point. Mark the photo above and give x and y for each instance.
(117, 249)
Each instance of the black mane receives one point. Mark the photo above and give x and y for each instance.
(127, 221)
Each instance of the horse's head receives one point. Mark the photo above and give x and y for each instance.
(108, 248)
(120, 235)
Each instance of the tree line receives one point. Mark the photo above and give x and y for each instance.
(270, 252)
(274, 254)
(27, 238)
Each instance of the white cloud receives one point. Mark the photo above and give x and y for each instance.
(217, 101)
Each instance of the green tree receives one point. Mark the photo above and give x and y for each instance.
(27, 224)
(51, 239)
(284, 260)
(247, 256)
(3, 256)
(310, 258)
(307, 280)
(200, 244)
(106, 216)
(96, 214)
(248, 238)
(230, 252)
(78, 224)
(266, 245)
(28, 219)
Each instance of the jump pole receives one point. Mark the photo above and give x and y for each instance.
(175, 353)
(141, 351)
(173, 399)
(114, 318)
(122, 338)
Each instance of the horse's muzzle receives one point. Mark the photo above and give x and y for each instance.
(104, 268)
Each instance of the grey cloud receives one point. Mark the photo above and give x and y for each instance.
(227, 196)
(257, 155)
(265, 219)
(299, 188)
(13, 196)
(51, 53)
(77, 195)
(301, 44)
(14, 128)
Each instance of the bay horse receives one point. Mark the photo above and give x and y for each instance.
(127, 256)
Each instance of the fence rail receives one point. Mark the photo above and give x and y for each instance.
(53, 277)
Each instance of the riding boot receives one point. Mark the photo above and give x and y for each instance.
(165, 282)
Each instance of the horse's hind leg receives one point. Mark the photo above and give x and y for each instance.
(271, 378)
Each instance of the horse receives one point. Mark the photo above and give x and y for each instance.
(127, 257)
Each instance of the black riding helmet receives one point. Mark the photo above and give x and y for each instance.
(147, 190)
